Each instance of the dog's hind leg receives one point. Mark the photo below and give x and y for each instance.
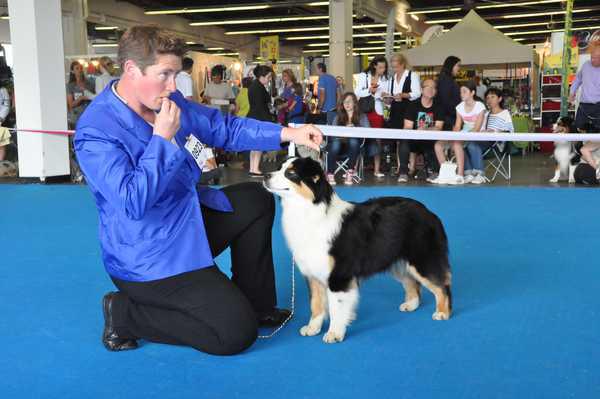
(342, 310)
(441, 291)
(412, 289)
(318, 308)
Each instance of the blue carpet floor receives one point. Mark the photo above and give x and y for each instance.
(526, 322)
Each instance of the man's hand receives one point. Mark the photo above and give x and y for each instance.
(307, 135)
(166, 123)
(572, 99)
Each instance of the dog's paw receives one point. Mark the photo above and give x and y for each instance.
(331, 337)
(440, 316)
(309, 331)
(409, 306)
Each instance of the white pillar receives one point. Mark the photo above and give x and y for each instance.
(340, 40)
(40, 93)
(389, 33)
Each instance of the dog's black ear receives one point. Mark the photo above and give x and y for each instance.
(322, 189)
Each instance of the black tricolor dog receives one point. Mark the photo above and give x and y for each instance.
(336, 244)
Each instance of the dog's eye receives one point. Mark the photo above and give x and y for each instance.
(291, 175)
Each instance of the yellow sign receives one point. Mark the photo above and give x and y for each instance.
(269, 47)
(555, 61)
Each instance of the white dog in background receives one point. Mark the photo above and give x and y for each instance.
(564, 153)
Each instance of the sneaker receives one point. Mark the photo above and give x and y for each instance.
(459, 180)
(402, 178)
(331, 179)
(379, 175)
(349, 180)
(479, 179)
(469, 178)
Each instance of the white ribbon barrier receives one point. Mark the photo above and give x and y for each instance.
(405, 134)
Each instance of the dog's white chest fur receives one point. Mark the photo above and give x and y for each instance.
(309, 230)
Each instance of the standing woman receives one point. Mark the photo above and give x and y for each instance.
(107, 73)
(260, 100)
(448, 91)
(242, 104)
(79, 93)
(405, 86)
(374, 83)
(289, 80)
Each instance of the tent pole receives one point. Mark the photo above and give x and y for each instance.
(566, 61)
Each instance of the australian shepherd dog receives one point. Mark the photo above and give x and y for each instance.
(336, 244)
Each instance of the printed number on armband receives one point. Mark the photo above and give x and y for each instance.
(195, 147)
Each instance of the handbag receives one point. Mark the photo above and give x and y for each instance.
(447, 172)
(366, 104)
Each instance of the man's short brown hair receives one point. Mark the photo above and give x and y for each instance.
(142, 44)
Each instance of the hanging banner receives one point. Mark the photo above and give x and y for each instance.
(269, 47)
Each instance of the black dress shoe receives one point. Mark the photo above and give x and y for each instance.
(273, 318)
(110, 338)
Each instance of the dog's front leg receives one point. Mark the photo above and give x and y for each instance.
(318, 308)
(342, 308)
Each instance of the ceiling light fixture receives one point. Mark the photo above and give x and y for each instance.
(249, 7)
(307, 29)
(482, 7)
(534, 32)
(327, 36)
(259, 20)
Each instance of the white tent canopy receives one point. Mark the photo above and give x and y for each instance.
(475, 42)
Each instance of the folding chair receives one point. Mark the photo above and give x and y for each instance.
(500, 161)
(343, 164)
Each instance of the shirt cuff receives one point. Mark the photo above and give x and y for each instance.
(270, 136)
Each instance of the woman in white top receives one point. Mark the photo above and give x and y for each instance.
(497, 119)
(106, 66)
(469, 118)
(373, 82)
(404, 87)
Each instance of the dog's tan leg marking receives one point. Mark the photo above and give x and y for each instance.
(442, 302)
(412, 294)
(318, 305)
(412, 289)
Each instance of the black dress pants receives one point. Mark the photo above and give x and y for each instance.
(425, 147)
(203, 308)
